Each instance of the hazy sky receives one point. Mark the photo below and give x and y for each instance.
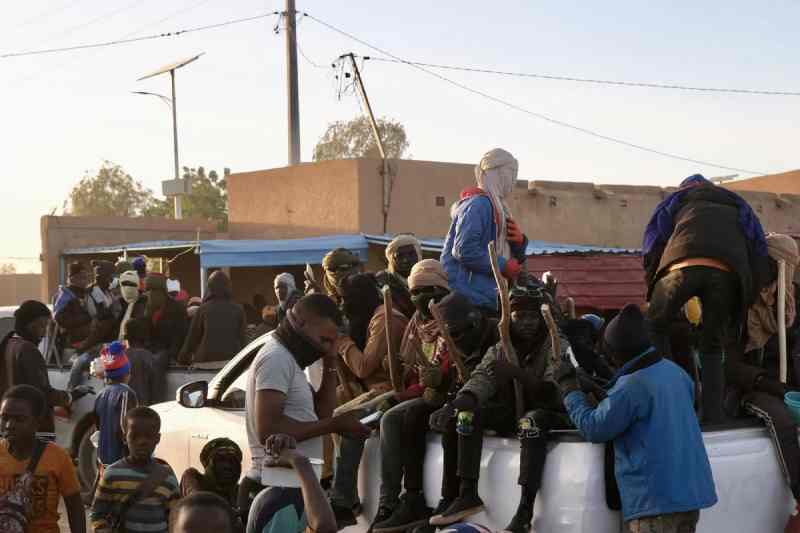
(63, 114)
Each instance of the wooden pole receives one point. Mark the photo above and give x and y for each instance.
(782, 319)
(395, 374)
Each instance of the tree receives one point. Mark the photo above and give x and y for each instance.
(354, 138)
(8, 268)
(111, 191)
(208, 199)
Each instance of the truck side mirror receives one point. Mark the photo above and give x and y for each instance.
(193, 395)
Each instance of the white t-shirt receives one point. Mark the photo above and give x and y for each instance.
(275, 368)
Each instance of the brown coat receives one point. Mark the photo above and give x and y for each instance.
(371, 367)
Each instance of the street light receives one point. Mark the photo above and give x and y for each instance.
(175, 188)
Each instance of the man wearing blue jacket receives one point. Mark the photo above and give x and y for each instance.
(660, 461)
(482, 216)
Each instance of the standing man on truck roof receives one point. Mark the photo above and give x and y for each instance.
(705, 241)
(660, 461)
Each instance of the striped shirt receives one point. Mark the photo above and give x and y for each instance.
(119, 482)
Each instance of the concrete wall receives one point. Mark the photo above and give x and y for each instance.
(16, 288)
(62, 233)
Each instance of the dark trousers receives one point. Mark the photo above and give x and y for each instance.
(719, 293)
(158, 383)
(462, 452)
(783, 430)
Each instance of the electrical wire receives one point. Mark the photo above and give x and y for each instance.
(590, 80)
(134, 39)
(172, 15)
(541, 116)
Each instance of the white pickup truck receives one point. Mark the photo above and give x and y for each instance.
(753, 495)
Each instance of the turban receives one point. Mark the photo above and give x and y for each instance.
(397, 243)
(428, 273)
(215, 446)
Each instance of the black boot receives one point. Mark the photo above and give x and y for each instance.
(412, 512)
(521, 523)
(467, 504)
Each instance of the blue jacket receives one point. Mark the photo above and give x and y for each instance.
(661, 463)
(465, 255)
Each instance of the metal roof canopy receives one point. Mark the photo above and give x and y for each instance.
(133, 247)
(257, 253)
(172, 66)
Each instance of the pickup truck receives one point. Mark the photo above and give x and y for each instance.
(753, 494)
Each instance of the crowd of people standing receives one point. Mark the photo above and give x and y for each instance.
(462, 345)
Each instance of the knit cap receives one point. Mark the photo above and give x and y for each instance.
(428, 273)
(115, 360)
(627, 335)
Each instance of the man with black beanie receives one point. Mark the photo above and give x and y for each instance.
(660, 461)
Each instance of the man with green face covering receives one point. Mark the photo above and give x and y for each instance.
(338, 264)
(222, 463)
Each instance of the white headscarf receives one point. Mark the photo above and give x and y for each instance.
(130, 293)
(496, 174)
(288, 279)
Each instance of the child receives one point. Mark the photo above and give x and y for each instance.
(138, 334)
(113, 403)
(138, 491)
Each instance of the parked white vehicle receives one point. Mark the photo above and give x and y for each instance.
(753, 495)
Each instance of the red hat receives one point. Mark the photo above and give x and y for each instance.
(115, 360)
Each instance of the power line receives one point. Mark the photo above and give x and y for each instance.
(593, 81)
(172, 15)
(134, 39)
(527, 111)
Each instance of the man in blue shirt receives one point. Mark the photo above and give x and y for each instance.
(660, 461)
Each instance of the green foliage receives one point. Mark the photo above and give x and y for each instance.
(354, 138)
(112, 191)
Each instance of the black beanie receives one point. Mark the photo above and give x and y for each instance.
(456, 309)
(626, 335)
(26, 313)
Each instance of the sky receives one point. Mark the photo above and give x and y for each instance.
(65, 113)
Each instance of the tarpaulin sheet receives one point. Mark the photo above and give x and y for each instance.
(255, 253)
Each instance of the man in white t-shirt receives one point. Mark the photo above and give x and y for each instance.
(279, 398)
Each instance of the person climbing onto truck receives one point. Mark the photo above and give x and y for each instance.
(474, 334)
(487, 399)
(706, 241)
(404, 425)
(365, 354)
(660, 460)
(483, 216)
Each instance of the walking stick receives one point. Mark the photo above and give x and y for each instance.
(547, 314)
(782, 318)
(455, 353)
(504, 326)
(571, 308)
(395, 375)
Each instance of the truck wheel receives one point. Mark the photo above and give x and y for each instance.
(87, 464)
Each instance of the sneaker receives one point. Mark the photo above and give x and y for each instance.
(412, 512)
(793, 524)
(463, 507)
(344, 516)
(383, 514)
(521, 523)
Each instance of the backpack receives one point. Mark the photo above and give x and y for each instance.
(15, 505)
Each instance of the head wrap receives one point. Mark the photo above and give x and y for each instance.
(397, 243)
(26, 313)
(762, 321)
(129, 286)
(115, 360)
(627, 335)
(219, 286)
(333, 278)
(288, 280)
(529, 293)
(496, 174)
(140, 266)
(214, 446)
(428, 273)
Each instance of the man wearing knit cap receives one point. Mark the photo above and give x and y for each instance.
(113, 403)
(338, 264)
(483, 216)
(404, 425)
(488, 398)
(661, 465)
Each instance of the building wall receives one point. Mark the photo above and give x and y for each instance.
(783, 183)
(66, 232)
(16, 288)
(306, 200)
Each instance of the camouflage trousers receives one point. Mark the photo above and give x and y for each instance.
(665, 523)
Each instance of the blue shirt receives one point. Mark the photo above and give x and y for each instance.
(110, 407)
(660, 459)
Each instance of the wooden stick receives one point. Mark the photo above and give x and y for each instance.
(455, 353)
(782, 319)
(367, 401)
(571, 308)
(547, 314)
(395, 374)
(504, 326)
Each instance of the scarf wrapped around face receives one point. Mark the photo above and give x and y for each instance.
(496, 175)
(333, 278)
(762, 318)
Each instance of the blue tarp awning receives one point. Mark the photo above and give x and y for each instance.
(534, 247)
(256, 253)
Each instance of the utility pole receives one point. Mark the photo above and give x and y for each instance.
(291, 76)
(387, 181)
(178, 197)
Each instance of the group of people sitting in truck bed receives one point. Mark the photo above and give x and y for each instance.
(464, 345)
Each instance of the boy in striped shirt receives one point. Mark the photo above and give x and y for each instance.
(119, 490)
